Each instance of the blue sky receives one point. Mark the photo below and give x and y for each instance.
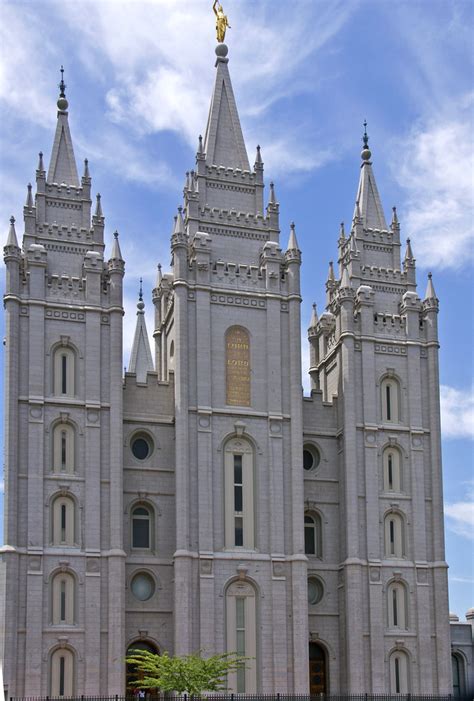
(306, 74)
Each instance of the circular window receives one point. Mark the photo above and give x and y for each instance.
(141, 447)
(311, 457)
(315, 591)
(143, 586)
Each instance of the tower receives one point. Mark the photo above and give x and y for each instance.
(374, 372)
(232, 317)
(63, 558)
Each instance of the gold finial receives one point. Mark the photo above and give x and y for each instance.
(221, 21)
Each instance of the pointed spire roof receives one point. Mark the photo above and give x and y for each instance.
(140, 358)
(116, 253)
(314, 317)
(292, 241)
(258, 157)
(368, 199)
(179, 222)
(331, 272)
(12, 239)
(430, 291)
(159, 275)
(224, 142)
(29, 198)
(272, 199)
(345, 281)
(62, 166)
(98, 207)
(409, 253)
(40, 162)
(354, 248)
(86, 169)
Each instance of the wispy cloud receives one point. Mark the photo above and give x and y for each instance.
(436, 173)
(457, 412)
(460, 518)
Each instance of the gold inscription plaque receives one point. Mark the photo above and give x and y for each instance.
(237, 358)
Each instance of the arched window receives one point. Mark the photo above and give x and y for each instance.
(458, 675)
(63, 530)
(390, 396)
(392, 478)
(397, 606)
(63, 599)
(63, 448)
(239, 494)
(313, 535)
(399, 682)
(241, 635)
(64, 371)
(142, 527)
(62, 673)
(394, 536)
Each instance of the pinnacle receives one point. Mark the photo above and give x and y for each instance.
(29, 198)
(12, 239)
(314, 317)
(409, 252)
(116, 252)
(98, 207)
(430, 291)
(331, 277)
(292, 242)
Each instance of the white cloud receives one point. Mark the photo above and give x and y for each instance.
(436, 172)
(460, 518)
(457, 412)
(2, 486)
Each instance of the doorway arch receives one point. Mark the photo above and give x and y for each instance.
(318, 681)
(131, 673)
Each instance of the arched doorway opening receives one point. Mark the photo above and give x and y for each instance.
(131, 671)
(317, 670)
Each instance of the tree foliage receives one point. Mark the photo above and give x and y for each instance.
(190, 674)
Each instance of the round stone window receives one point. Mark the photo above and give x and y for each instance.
(311, 457)
(141, 447)
(143, 586)
(315, 591)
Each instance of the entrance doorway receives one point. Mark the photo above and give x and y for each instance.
(317, 670)
(132, 676)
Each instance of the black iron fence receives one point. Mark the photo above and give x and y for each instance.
(254, 697)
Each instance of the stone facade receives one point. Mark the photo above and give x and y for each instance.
(200, 502)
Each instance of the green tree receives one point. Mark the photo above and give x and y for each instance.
(190, 674)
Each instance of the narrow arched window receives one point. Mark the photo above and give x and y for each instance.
(63, 448)
(63, 599)
(239, 494)
(62, 673)
(458, 675)
(390, 396)
(392, 479)
(63, 526)
(312, 535)
(242, 635)
(399, 682)
(64, 371)
(397, 606)
(142, 518)
(394, 536)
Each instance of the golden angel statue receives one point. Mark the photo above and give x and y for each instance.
(221, 21)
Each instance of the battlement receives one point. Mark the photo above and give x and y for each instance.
(374, 272)
(62, 232)
(238, 218)
(226, 174)
(66, 286)
(64, 191)
(389, 324)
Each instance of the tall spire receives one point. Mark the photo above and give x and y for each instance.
(140, 358)
(224, 142)
(62, 166)
(370, 205)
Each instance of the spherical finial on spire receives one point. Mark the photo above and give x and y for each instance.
(141, 304)
(62, 103)
(222, 50)
(366, 153)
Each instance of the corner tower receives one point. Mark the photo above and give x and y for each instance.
(374, 357)
(63, 558)
(231, 312)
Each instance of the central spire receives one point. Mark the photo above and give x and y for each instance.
(368, 201)
(62, 166)
(224, 142)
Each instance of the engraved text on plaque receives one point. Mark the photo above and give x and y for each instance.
(237, 346)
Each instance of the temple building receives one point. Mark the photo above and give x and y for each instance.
(199, 501)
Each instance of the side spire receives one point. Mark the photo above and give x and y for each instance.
(116, 253)
(314, 318)
(140, 357)
(292, 241)
(29, 198)
(430, 291)
(62, 166)
(224, 142)
(368, 199)
(12, 239)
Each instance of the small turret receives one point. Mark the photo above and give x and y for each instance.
(430, 291)
(116, 253)
(314, 319)
(98, 214)
(292, 241)
(86, 175)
